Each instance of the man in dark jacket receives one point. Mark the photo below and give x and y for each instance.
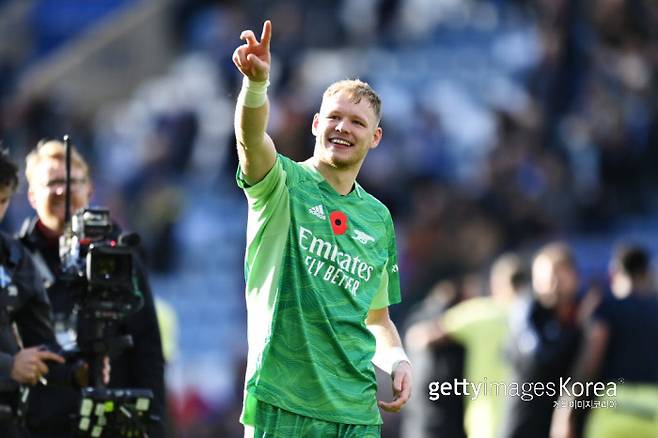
(545, 336)
(26, 332)
(620, 349)
(139, 366)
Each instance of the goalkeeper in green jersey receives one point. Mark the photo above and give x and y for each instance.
(320, 267)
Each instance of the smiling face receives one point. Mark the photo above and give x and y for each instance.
(345, 129)
(47, 192)
(45, 170)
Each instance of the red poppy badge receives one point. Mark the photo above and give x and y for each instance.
(338, 222)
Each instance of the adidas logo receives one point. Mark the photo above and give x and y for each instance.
(318, 211)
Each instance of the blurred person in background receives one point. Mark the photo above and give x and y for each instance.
(544, 339)
(481, 326)
(422, 417)
(621, 348)
(139, 366)
(27, 338)
(321, 267)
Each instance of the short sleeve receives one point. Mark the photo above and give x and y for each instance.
(264, 189)
(388, 292)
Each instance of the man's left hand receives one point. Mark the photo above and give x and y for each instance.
(401, 387)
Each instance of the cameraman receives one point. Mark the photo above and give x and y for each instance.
(23, 306)
(139, 366)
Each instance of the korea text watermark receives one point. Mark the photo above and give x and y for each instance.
(569, 392)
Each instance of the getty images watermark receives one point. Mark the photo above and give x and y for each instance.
(564, 389)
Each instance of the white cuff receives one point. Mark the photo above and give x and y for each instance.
(253, 93)
(389, 360)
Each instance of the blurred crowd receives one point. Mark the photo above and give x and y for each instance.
(506, 123)
(531, 346)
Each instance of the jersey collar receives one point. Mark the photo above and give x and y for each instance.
(317, 176)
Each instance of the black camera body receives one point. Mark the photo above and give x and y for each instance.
(99, 266)
(100, 269)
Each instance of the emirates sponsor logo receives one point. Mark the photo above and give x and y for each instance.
(325, 259)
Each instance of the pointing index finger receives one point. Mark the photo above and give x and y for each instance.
(266, 36)
(49, 355)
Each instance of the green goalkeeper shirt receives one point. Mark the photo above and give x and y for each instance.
(316, 262)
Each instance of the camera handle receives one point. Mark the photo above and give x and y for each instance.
(99, 347)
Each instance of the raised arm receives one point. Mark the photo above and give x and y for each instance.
(256, 149)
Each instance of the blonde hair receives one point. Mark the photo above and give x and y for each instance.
(508, 275)
(356, 89)
(557, 253)
(53, 150)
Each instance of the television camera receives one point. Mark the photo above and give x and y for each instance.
(98, 265)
